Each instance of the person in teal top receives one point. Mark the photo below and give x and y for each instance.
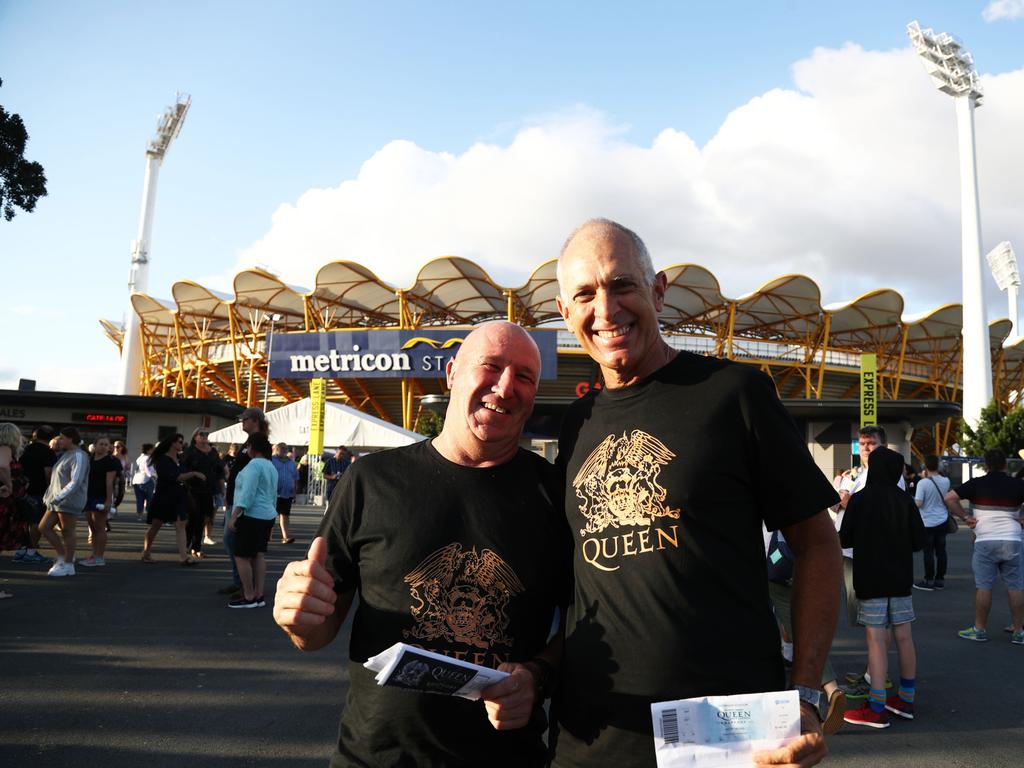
(254, 509)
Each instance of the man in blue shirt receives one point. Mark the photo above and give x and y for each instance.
(287, 477)
(335, 467)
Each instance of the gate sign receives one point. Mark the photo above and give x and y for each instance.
(393, 354)
(868, 390)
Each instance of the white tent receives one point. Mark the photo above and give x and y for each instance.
(343, 425)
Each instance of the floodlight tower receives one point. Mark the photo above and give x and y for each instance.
(952, 70)
(1003, 263)
(167, 128)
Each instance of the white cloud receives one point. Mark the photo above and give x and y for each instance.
(1003, 9)
(851, 178)
(76, 376)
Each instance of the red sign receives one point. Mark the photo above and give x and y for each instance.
(100, 418)
(584, 386)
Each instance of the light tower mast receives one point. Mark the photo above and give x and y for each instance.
(167, 128)
(952, 70)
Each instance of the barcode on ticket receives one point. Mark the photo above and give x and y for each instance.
(670, 726)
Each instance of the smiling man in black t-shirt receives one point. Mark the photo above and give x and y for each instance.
(455, 545)
(669, 471)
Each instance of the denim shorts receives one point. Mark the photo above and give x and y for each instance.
(885, 611)
(992, 557)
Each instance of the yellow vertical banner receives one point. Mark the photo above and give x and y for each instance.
(317, 388)
(868, 390)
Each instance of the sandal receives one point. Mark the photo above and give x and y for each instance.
(188, 561)
(147, 558)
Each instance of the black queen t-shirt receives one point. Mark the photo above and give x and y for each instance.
(666, 486)
(467, 562)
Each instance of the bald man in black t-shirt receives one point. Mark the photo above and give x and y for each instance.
(669, 471)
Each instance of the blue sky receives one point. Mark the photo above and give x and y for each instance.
(294, 97)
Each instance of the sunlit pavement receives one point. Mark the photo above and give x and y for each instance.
(144, 665)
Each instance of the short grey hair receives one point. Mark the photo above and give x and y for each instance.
(639, 248)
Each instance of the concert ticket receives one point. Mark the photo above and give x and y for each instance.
(723, 731)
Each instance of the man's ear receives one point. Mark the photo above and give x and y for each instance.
(563, 310)
(659, 288)
(449, 372)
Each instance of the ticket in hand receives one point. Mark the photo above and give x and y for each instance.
(723, 731)
(403, 666)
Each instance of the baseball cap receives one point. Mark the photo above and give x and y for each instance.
(252, 413)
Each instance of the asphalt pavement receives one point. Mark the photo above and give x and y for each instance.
(144, 665)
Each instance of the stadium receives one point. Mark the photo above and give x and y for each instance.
(205, 344)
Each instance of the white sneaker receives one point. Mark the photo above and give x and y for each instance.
(61, 569)
(208, 540)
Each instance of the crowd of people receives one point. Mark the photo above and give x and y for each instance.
(51, 482)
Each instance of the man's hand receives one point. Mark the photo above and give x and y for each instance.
(806, 750)
(305, 605)
(5, 491)
(510, 702)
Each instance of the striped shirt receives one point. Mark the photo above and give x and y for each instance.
(995, 503)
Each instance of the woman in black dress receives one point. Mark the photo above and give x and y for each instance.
(170, 501)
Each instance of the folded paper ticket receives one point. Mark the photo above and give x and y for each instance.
(723, 731)
(404, 666)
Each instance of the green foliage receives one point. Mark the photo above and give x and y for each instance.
(995, 430)
(21, 182)
(430, 424)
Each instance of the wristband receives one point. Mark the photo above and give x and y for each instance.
(543, 672)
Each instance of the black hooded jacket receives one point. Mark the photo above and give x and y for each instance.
(883, 525)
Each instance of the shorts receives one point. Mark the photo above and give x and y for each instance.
(67, 512)
(885, 611)
(168, 510)
(284, 506)
(95, 504)
(1002, 557)
(36, 510)
(252, 536)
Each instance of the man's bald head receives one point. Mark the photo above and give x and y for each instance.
(493, 381)
(494, 331)
(600, 228)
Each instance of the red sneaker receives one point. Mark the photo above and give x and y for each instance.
(867, 716)
(898, 706)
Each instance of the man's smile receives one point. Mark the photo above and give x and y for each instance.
(614, 333)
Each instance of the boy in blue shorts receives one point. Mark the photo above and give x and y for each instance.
(884, 527)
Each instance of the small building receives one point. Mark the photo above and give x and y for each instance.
(134, 419)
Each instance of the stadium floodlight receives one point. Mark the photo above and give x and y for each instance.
(270, 348)
(1003, 263)
(167, 129)
(952, 70)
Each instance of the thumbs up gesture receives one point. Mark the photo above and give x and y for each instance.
(306, 605)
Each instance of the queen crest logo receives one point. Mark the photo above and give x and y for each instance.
(618, 488)
(618, 483)
(462, 597)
